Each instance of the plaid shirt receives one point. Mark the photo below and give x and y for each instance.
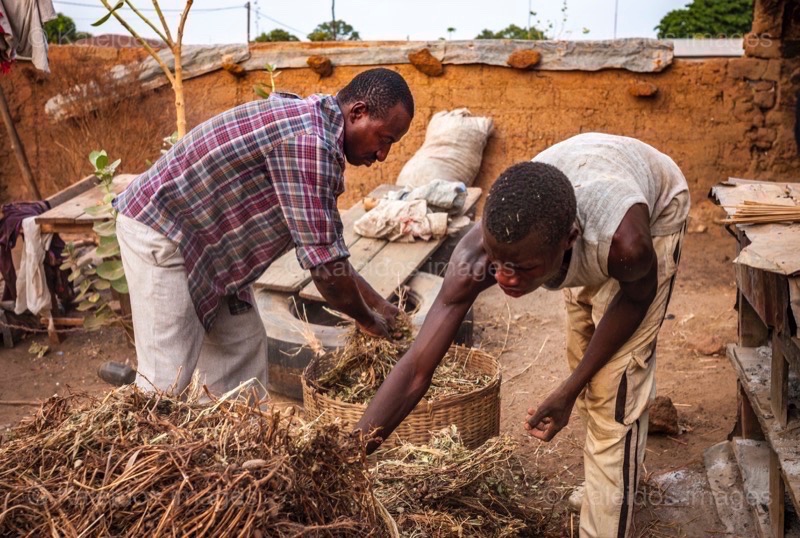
(239, 189)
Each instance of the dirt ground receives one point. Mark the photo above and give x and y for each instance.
(528, 335)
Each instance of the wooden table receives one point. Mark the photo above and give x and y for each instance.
(383, 264)
(68, 213)
(68, 216)
(768, 299)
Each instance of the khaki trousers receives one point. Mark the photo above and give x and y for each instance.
(614, 403)
(171, 343)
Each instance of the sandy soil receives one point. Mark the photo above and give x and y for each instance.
(528, 334)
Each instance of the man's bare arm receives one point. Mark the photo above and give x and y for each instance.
(340, 285)
(409, 380)
(632, 261)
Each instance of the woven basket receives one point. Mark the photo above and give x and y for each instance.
(476, 414)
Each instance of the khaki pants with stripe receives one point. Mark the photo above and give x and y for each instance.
(171, 343)
(614, 403)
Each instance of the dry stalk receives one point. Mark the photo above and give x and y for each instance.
(444, 489)
(133, 464)
(361, 366)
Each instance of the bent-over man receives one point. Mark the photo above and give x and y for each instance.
(205, 221)
(602, 218)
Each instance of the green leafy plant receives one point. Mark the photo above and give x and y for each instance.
(334, 30)
(276, 35)
(168, 142)
(707, 19)
(260, 89)
(62, 31)
(92, 279)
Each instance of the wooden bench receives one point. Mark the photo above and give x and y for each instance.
(383, 264)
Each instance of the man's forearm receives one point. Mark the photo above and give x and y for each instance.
(394, 400)
(338, 284)
(619, 323)
(371, 297)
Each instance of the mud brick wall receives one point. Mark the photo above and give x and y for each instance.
(715, 117)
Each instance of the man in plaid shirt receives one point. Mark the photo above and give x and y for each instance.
(209, 217)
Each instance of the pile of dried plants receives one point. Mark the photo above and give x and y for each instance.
(445, 489)
(136, 464)
(141, 464)
(363, 363)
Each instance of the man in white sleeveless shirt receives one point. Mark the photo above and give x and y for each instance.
(601, 217)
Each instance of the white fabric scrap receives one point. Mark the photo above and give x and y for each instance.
(32, 292)
(401, 220)
(440, 194)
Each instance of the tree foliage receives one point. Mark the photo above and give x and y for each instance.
(325, 32)
(278, 34)
(512, 31)
(708, 18)
(62, 30)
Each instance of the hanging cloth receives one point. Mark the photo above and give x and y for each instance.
(23, 37)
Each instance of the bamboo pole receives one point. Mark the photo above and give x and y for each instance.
(750, 212)
(17, 147)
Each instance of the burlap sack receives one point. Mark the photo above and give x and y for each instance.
(453, 149)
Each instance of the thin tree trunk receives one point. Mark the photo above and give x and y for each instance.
(180, 105)
(19, 150)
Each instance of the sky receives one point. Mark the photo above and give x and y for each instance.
(225, 21)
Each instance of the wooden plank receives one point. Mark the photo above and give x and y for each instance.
(747, 419)
(66, 228)
(366, 251)
(285, 273)
(67, 212)
(73, 211)
(473, 195)
(396, 263)
(71, 192)
(779, 384)
(95, 196)
(361, 253)
(767, 293)
(752, 330)
(753, 368)
(777, 494)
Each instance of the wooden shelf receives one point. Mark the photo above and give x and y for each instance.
(753, 368)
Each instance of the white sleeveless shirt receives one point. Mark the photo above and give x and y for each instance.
(610, 174)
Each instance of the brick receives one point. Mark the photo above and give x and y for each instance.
(768, 17)
(774, 118)
(743, 110)
(524, 59)
(762, 46)
(764, 99)
(762, 85)
(642, 89)
(321, 65)
(773, 71)
(426, 63)
(763, 137)
(747, 68)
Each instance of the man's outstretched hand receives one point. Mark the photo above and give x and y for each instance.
(545, 421)
(390, 313)
(376, 326)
